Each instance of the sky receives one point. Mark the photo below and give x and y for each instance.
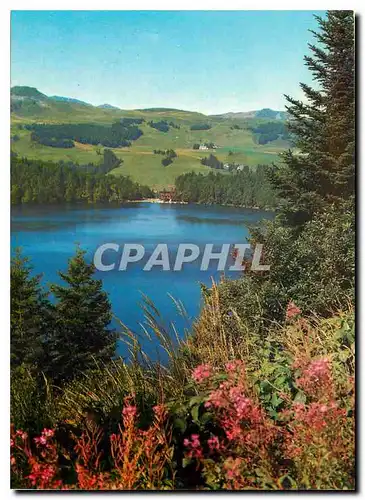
(207, 61)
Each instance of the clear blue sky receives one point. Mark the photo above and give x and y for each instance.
(208, 61)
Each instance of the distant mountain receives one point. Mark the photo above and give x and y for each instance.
(241, 138)
(271, 114)
(161, 110)
(107, 106)
(266, 113)
(68, 99)
(27, 92)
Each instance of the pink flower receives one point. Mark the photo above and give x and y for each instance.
(292, 310)
(194, 445)
(201, 373)
(21, 434)
(316, 379)
(48, 432)
(129, 411)
(213, 443)
(235, 366)
(318, 368)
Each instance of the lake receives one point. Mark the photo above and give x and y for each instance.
(48, 236)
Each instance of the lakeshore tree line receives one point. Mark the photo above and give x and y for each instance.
(247, 188)
(260, 394)
(35, 181)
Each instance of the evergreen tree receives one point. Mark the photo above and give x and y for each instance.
(310, 246)
(323, 172)
(82, 316)
(30, 313)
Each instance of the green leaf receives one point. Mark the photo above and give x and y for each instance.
(206, 417)
(195, 413)
(180, 424)
(275, 400)
(300, 397)
(195, 400)
(280, 381)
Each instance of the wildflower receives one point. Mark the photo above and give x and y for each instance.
(129, 411)
(216, 399)
(213, 443)
(48, 432)
(316, 379)
(201, 373)
(21, 434)
(235, 366)
(292, 311)
(232, 467)
(194, 445)
(40, 440)
(160, 411)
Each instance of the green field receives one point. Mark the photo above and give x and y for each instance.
(139, 161)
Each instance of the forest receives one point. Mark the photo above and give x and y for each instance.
(162, 125)
(270, 131)
(119, 134)
(247, 188)
(34, 181)
(200, 126)
(260, 393)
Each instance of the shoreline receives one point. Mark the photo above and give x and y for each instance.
(158, 200)
(145, 200)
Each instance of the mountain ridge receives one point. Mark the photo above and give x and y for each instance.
(23, 92)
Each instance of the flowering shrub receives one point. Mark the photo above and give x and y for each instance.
(140, 459)
(292, 311)
(310, 445)
(282, 420)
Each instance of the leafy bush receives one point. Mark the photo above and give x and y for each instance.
(309, 444)
(315, 268)
(166, 161)
(212, 161)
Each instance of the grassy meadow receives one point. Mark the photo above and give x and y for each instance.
(139, 161)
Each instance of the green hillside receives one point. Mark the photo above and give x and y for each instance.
(233, 137)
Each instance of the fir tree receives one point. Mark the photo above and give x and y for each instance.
(30, 313)
(82, 316)
(323, 171)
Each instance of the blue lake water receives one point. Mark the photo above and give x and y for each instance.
(48, 236)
